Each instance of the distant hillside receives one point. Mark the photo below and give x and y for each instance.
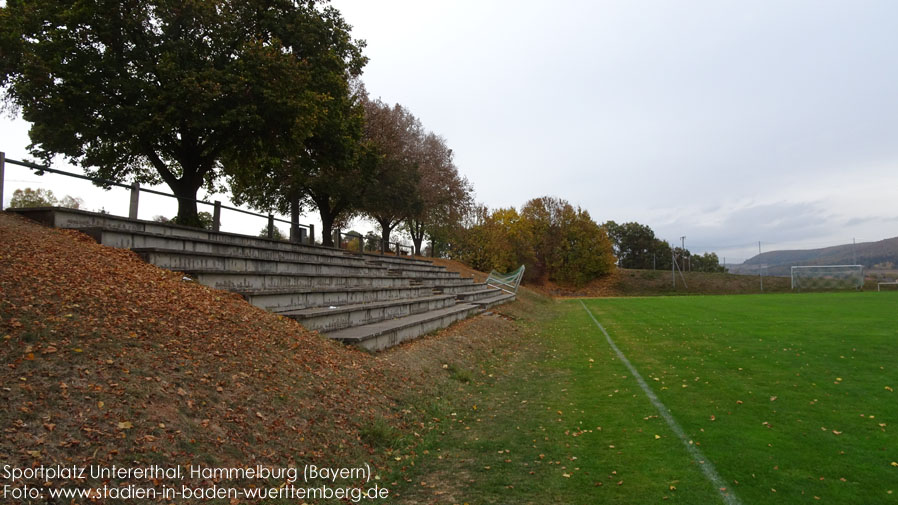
(881, 254)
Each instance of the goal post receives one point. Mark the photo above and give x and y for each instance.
(823, 277)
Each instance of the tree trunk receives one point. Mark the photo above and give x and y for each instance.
(385, 233)
(186, 193)
(294, 219)
(327, 228)
(416, 229)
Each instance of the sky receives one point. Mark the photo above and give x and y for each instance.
(725, 122)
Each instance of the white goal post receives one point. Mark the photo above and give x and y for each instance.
(827, 277)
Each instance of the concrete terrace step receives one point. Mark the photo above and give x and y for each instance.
(487, 303)
(398, 260)
(384, 334)
(267, 281)
(477, 294)
(187, 261)
(444, 283)
(297, 299)
(423, 275)
(130, 239)
(458, 287)
(59, 217)
(369, 300)
(340, 317)
(409, 266)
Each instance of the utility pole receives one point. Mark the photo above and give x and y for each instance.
(854, 251)
(760, 270)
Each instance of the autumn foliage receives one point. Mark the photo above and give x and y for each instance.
(555, 240)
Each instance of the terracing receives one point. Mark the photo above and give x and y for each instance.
(372, 301)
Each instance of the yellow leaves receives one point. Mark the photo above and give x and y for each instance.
(125, 425)
(34, 454)
(566, 475)
(889, 389)
(100, 405)
(657, 437)
(894, 463)
(773, 398)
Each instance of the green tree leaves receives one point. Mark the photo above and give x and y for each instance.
(162, 91)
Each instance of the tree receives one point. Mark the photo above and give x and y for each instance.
(395, 137)
(568, 246)
(549, 236)
(662, 252)
(634, 244)
(276, 235)
(584, 251)
(443, 192)
(41, 197)
(203, 220)
(328, 171)
(162, 91)
(707, 262)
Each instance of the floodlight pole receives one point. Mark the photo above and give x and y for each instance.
(854, 251)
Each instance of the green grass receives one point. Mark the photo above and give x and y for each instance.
(796, 384)
(785, 394)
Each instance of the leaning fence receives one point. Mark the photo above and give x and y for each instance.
(299, 232)
(506, 282)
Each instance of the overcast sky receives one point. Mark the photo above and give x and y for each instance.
(726, 122)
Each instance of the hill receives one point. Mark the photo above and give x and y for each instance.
(882, 254)
(111, 361)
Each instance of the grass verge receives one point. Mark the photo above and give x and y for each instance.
(790, 396)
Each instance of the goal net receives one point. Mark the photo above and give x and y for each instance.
(821, 277)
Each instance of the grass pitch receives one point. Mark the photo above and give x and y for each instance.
(791, 397)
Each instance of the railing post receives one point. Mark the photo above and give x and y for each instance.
(2, 168)
(135, 198)
(216, 217)
(270, 226)
(311, 234)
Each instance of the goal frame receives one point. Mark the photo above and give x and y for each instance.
(858, 279)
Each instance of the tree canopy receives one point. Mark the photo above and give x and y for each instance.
(445, 195)
(555, 240)
(41, 197)
(395, 136)
(161, 91)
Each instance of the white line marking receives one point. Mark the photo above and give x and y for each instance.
(706, 466)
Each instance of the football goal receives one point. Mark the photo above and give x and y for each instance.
(822, 277)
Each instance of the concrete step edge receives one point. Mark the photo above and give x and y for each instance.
(358, 334)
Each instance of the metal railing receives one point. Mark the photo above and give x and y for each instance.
(295, 235)
(506, 282)
(370, 244)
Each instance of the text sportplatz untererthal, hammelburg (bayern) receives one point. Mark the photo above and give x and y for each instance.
(307, 482)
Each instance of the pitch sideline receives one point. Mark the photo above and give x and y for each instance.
(707, 467)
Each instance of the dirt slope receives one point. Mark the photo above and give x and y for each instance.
(109, 360)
